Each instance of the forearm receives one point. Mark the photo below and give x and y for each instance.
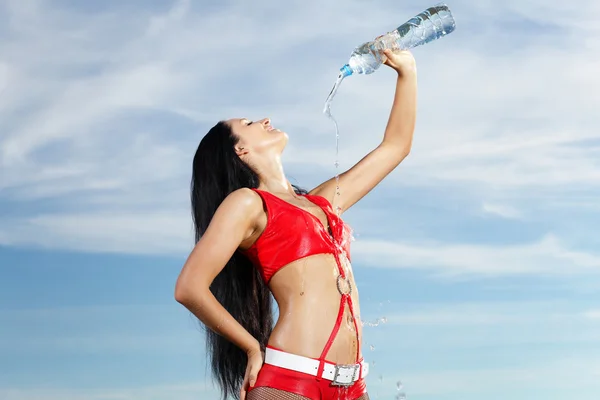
(401, 124)
(211, 313)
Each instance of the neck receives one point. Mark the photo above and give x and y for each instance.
(272, 177)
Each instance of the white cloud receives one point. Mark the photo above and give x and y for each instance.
(108, 121)
(593, 315)
(490, 313)
(160, 23)
(85, 103)
(482, 327)
(547, 256)
(4, 76)
(146, 233)
(503, 211)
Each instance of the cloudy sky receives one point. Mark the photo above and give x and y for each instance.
(481, 251)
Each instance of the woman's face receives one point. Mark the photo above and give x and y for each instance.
(258, 137)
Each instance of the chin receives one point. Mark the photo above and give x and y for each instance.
(283, 141)
(284, 138)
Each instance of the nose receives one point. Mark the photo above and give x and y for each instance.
(266, 121)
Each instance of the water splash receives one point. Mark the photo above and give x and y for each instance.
(382, 320)
(327, 111)
(401, 395)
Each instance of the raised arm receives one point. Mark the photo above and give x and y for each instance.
(359, 180)
(233, 223)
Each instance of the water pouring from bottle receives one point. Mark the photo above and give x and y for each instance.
(431, 24)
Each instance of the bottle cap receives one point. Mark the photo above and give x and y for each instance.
(346, 70)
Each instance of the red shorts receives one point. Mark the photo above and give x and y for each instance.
(307, 385)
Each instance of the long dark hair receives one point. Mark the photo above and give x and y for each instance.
(218, 171)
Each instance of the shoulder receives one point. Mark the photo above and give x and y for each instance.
(244, 205)
(241, 211)
(247, 205)
(243, 200)
(243, 196)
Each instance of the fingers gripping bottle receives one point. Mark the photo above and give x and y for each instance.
(431, 24)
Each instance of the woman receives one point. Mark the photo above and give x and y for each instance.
(258, 235)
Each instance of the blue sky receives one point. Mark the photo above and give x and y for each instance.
(480, 251)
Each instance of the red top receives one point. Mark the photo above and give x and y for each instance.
(293, 233)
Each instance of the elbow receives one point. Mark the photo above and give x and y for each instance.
(405, 148)
(191, 290)
(398, 150)
(401, 153)
(406, 152)
(181, 294)
(184, 292)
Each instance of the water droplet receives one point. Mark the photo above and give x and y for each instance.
(384, 320)
(399, 385)
(400, 396)
(380, 378)
(372, 347)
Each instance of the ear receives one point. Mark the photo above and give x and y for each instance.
(241, 151)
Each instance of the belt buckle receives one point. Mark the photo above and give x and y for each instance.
(336, 374)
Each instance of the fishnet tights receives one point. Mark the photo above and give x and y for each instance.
(267, 393)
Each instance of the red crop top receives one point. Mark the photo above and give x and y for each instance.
(293, 233)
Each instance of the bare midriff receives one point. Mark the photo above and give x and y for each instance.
(307, 294)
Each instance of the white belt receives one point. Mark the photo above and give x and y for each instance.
(340, 374)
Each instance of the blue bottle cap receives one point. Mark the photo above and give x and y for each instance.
(346, 70)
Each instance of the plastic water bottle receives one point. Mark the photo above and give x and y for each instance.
(431, 24)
